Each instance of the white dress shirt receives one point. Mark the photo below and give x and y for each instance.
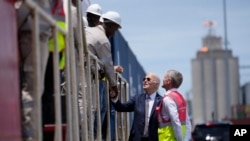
(151, 103)
(169, 111)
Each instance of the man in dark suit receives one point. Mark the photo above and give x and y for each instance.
(143, 105)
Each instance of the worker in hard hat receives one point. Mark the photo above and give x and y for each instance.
(105, 19)
(98, 43)
(93, 14)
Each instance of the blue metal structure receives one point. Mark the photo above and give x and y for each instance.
(124, 56)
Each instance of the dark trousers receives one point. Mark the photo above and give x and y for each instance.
(48, 104)
(144, 139)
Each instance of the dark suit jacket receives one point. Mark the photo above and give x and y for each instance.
(137, 105)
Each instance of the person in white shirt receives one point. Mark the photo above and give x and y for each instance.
(174, 122)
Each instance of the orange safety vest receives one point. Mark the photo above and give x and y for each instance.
(165, 130)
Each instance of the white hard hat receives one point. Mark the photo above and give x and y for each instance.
(94, 9)
(112, 16)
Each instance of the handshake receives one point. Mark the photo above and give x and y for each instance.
(113, 92)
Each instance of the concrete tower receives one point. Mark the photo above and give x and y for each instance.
(209, 80)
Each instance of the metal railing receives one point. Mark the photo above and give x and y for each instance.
(79, 83)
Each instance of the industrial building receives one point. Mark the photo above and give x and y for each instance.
(215, 81)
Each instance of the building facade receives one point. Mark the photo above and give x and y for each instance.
(215, 81)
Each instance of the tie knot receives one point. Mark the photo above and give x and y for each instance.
(148, 98)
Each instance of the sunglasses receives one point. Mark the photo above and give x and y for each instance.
(146, 78)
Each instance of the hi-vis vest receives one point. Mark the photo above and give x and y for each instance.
(165, 130)
(58, 13)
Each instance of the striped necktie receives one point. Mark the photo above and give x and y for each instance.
(145, 133)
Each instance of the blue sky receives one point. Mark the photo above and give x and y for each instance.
(166, 34)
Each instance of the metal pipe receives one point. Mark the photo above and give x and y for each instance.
(36, 111)
(75, 111)
(57, 95)
(69, 134)
(97, 101)
(89, 93)
(227, 73)
(108, 137)
(48, 18)
(128, 117)
(82, 81)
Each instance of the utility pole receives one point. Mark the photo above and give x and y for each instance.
(227, 75)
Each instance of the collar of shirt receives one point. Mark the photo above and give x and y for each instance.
(171, 90)
(152, 96)
(101, 28)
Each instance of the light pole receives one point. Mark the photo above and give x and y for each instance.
(227, 76)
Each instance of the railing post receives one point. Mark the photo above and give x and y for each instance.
(36, 114)
(58, 130)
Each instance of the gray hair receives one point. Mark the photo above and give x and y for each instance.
(175, 77)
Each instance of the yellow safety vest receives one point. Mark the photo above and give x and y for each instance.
(167, 133)
(59, 15)
(60, 43)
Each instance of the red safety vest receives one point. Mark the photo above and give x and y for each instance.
(58, 11)
(181, 108)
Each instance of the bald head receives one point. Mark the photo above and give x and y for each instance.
(151, 83)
